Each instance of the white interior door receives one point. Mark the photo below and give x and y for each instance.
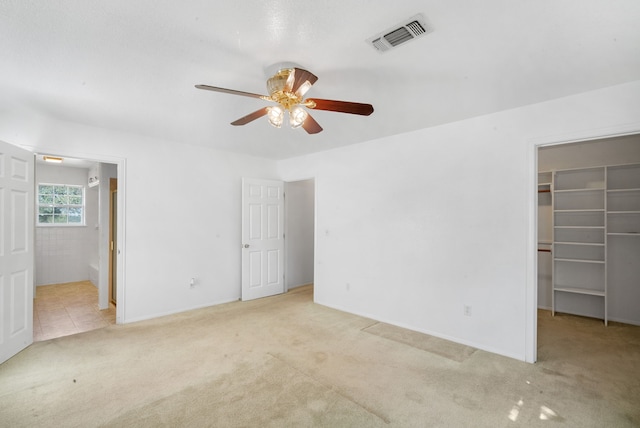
(262, 238)
(16, 250)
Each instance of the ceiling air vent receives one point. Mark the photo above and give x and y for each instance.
(412, 28)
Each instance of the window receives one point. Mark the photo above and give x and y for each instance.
(60, 204)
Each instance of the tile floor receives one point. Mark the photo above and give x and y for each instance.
(65, 309)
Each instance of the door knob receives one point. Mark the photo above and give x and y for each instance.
(246, 245)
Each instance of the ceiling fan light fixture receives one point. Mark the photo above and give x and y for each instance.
(297, 116)
(304, 88)
(286, 89)
(275, 115)
(278, 82)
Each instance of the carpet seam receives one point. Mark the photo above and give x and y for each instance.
(332, 388)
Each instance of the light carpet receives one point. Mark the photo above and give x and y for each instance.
(287, 362)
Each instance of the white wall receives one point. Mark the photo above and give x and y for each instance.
(64, 253)
(412, 228)
(182, 207)
(299, 232)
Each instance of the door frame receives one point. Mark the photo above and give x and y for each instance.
(121, 213)
(287, 202)
(113, 240)
(531, 289)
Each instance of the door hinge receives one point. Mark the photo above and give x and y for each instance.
(111, 245)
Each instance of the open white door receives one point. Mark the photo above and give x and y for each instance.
(16, 250)
(262, 238)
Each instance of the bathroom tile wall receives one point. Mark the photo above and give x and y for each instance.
(64, 253)
(61, 254)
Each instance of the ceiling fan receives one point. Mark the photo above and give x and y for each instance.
(287, 88)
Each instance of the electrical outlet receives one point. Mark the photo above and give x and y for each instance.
(467, 310)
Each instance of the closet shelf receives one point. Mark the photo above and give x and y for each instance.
(544, 187)
(623, 190)
(579, 227)
(589, 189)
(586, 210)
(600, 262)
(594, 211)
(594, 244)
(580, 291)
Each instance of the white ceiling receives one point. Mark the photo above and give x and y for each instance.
(132, 65)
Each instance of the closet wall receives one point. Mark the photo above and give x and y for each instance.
(299, 232)
(622, 300)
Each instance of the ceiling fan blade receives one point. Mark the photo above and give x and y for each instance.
(251, 117)
(311, 126)
(339, 106)
(232, 92)
(302, 81)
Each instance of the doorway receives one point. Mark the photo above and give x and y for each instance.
(70, 262)
(278, 250)
(581, 240)
(300, 233)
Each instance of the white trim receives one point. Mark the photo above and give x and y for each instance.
(531, 286)
(122, 240)
(156, 315)
(457, 340)
(583, 136)
(121, 166)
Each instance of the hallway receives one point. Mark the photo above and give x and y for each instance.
(66, 309)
